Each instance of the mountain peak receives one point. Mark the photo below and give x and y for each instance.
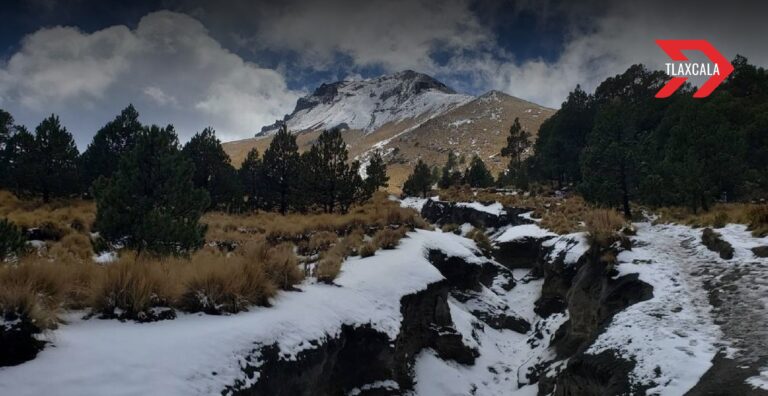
(368, 104)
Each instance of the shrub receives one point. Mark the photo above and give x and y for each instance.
(603, 226)
(33, 291)
(214, 289)
(482, 241)
(74, 245)
(320, 241)
(329, 266)
(282, 267)
(759, 220)
(12, 241)
(389, 238)
(368, 249)
(450, 227)
(128, 288)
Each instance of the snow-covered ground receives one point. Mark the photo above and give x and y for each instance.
(202, 354)
(674, 336)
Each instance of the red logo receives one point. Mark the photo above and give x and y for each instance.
(718, 71)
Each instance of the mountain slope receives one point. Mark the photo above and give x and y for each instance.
(369, 104)
(477, 127)
(406, 116)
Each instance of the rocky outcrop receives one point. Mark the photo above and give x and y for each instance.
(358, 358)
(18, 343)
(592, 301)
(715, 242)
(462, 276)
(591, 294)
(520, 253)
(600, 374)
(442, 213)
(760, 251)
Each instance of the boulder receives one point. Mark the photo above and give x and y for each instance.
(714, 242)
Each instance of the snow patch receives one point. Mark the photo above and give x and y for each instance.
(572, 245)
(523, 231)
(495, 208)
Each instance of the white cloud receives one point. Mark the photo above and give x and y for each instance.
(622, 35)
(169, 67)
(393, 34)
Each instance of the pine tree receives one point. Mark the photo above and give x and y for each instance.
(450, 176)
(704, 157)
(561, 139)
(328, 157)
(109, 144)
(352, 188)
(12, 240)
(376, 174)
(56, 160)
(251, 174)
(419, 182)
(610, 160)
(518, 142)
(213, 170)
(20, 162)
(478, 175)
(281, 176)
(150, 203)
(6, 132)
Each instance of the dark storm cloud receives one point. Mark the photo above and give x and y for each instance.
(237, 65)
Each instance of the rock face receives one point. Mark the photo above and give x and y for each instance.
(520, 253)
(714, 242)
(442, 213)
(591, 296)
(601, 374)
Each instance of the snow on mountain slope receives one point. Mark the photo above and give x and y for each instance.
(369, 104)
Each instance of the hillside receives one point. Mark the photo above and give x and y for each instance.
(407, 116)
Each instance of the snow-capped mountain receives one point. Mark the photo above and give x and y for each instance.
(370, 104)
(405, 116)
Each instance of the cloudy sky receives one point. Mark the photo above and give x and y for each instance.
(237, 65)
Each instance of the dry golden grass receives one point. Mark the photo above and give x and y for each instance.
(34, 290)
(131, 285)
(73, 245)
(368, 249)
(753, 215)
(21, 302)
(378, 213)
(481, 240)
(329, 266)
(450, 227)
(758, 220)
(263, 261)
(603, 226)
(389, 238)
(70, 215)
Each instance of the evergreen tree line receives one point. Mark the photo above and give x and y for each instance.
(150, 191)
(421, 181)
(621, 144)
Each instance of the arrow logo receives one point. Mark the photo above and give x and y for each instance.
(675, 48)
